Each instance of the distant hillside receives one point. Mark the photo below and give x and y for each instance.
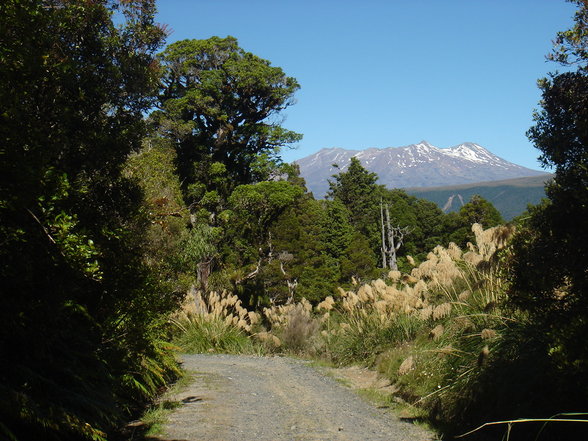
(510, 196)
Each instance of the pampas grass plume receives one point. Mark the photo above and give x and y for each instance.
(436, 332)
(441, 311)
(488, 334)
(406, 366)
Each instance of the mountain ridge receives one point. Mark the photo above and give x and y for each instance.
(415, 165)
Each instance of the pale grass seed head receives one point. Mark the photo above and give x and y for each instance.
(326, 304)
(349, 303)
(464, 324)
(381, 306)
(394, 276)
(426, 313)
(365, 293)
(420, 288)
(222, 306)
(454, 251)
(473, 258)
(441, 311)
(426, 270)
(483, 356)
(406, 366)
(484, 240)
(408, 279)
(268, 338)
(254, 318)
(410, 260)
(436, 332)
(502, 234)
(446, 350)
(379, 286)
(488, 334)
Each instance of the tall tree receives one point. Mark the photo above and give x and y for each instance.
(550, 264)
(357, 189)
(220, 104)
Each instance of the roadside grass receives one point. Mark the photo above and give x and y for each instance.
(444, 335)
(201, 334)
(215, 323)
(156, 416)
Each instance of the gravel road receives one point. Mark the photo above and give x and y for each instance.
(242, 398)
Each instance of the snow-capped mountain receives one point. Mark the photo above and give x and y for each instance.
(416, 165)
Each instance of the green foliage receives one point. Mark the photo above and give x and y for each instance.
(358, 261)
(300, 242)
(202, 334)
(153, 169)
(549, 264)
(82, 309)
(477, 211)
(338, 231)
(365, 340)
(571, 46)
(356, 188)
(217, 101)
(198, 245)
(546, 262)
(261, 204)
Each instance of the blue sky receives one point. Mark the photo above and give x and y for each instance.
(378, 73)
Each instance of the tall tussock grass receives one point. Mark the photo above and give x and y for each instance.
(443, 334)
(217, 323)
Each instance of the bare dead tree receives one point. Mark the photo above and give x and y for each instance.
(392, 238)
(284, 256)
(203, 269)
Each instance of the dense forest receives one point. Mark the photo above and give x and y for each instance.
(138, 179)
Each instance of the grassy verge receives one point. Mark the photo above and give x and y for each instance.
(152, 422)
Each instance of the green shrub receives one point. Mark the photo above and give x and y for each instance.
(201, 334)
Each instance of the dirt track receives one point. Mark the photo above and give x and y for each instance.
(246, 398)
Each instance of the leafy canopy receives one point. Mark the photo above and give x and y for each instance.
(220, 104)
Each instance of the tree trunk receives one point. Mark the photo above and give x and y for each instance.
(392, 238)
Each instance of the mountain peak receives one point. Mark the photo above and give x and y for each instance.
(416, 165)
